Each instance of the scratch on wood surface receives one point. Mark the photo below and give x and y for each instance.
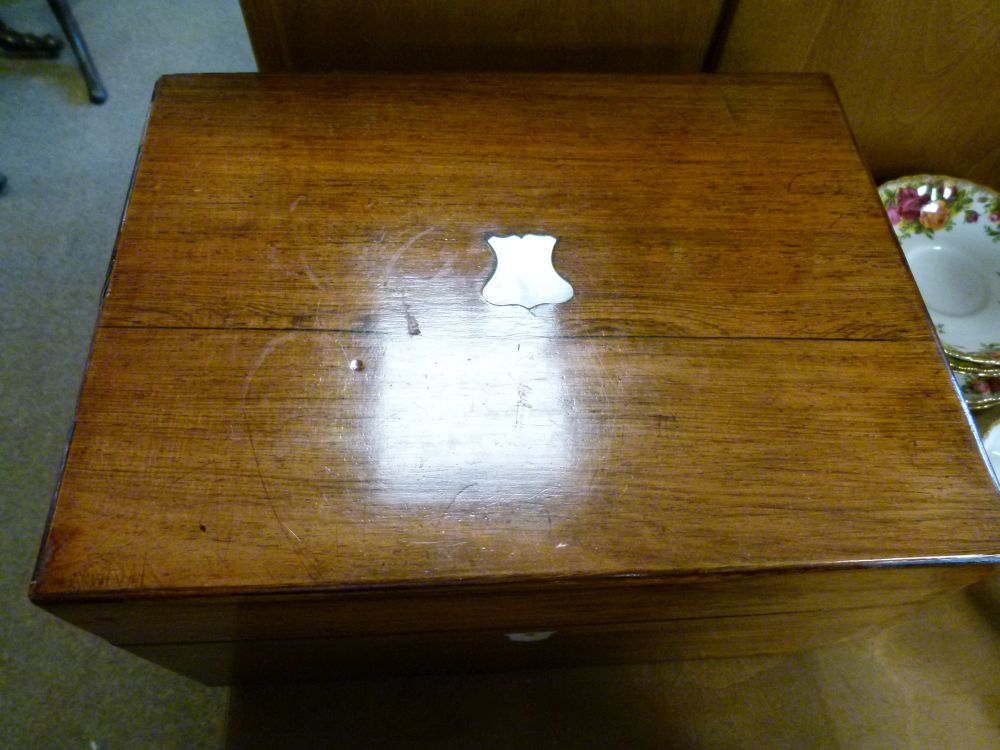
(148, 572)
(196, 470)
(307, 270)
(258, 363)
(791, 187)
(272, 254)
(308, 562)
(415, 238)
(391, 266)
(729, 109)
(458, 495)
(522, 403)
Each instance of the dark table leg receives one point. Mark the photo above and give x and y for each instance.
(60, 8)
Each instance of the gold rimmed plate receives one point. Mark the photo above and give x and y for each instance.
(981, 390)
(949, 230)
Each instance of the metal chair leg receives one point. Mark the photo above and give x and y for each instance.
(60, 8)
(28, 45)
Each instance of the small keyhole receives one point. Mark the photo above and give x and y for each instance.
(531, 637)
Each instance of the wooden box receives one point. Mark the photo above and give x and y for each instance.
(307, 444)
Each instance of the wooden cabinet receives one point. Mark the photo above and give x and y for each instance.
(307, 443)
(918, 84)
(407, 35)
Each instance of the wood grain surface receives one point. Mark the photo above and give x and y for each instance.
(312, 659)
(745, 382)
(260, 614)
(242, 459)
(656, 187)
(918, 84)
(668, 36)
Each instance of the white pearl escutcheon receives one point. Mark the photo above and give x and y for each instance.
(524, 275)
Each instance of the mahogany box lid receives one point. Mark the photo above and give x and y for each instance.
(296, 383)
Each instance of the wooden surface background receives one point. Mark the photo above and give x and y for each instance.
(919, 84)
(406, 35)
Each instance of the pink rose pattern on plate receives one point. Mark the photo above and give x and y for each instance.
(924, 206)
(980, 391)
(985, 385)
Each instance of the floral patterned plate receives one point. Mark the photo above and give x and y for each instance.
(949, 230)
(980, 390)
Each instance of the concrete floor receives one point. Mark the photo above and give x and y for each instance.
(929, 680)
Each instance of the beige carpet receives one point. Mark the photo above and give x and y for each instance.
(68, 165)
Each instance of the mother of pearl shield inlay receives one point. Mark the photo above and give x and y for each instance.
(524, 274)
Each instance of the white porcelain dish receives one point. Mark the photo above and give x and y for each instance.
(991, 442)
(949, 230)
